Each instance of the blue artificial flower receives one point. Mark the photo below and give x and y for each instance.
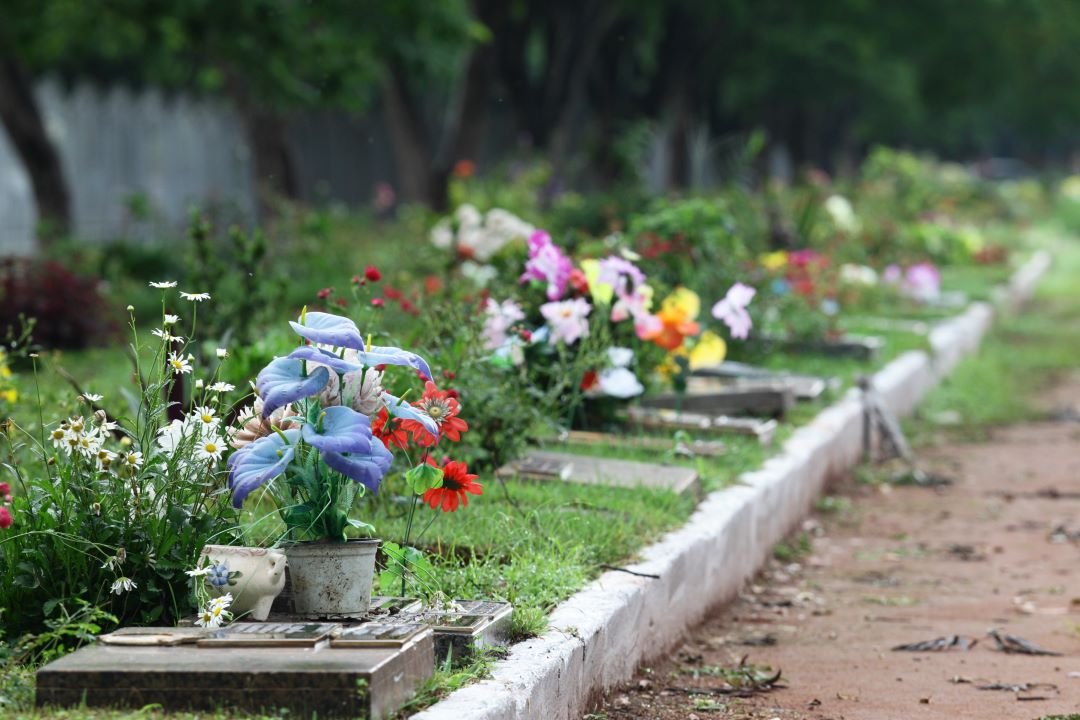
(283, 381)
(259, 462)
(365, 468)
(334, 330)
(341, 430)
(780, 286)
(401, 409)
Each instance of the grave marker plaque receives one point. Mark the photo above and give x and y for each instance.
(269, 634)
(376, 634)
(607, 471)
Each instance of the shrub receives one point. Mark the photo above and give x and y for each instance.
(69, 310)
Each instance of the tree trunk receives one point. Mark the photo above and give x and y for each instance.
(409, 136)
(275, 167)
(26, 128)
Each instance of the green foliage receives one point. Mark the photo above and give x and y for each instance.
(696, 242)
(104, 512)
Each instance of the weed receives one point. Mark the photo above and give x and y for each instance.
(793, 549)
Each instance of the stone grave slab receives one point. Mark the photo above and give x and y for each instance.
(370, 682)
(667, 419)
(737, 374)
(858, 347)
(765, 399)
(604, 471)
(700, 448)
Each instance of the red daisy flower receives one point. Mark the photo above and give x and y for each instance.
(457, 481)
(392, 434)
(6, 520)
(443, 408)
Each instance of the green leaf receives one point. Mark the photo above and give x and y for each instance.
(423, 477)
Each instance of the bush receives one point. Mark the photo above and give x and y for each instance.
(68, 308)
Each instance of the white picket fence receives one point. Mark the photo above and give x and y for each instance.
(169, 151)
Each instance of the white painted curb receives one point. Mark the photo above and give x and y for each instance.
(601, 634)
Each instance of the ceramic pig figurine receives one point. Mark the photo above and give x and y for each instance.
(254, 576)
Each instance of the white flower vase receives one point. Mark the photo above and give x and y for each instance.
(332, 579)
(254, 576)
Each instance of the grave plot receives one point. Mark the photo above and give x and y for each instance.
(669, 420)
(250, 667)
(546, 465)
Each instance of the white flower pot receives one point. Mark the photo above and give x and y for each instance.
(255, 577)
(332, 579)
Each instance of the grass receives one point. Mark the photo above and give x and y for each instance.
(1022, 357)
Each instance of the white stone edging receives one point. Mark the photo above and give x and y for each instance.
(600, 635)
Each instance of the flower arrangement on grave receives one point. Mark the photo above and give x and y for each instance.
(596, 313)
(324, 430)
(799, 298)
(108, 505)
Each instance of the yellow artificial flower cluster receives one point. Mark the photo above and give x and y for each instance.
(8, 393)
(774, 261)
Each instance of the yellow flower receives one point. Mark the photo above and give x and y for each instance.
(682, 304)
(677, 315)
(709, 350)
(773, 261)
(602, 293)
(10, 396)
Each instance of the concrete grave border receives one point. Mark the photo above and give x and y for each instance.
(600, 635)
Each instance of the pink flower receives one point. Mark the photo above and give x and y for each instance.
(500, 317)
(547, 263)
(621, 274)
(569, 320)
(732, 310)
(922, 281)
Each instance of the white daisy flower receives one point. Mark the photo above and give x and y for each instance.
(163, 285)
(206, 416)
(180, 365)
(170, 436)
(104, 459)
(92, 397)
(194, 297)
(216, 612)
(122, 585)
(222, 387)
(199, 572)
(199, 384)
(210, 449)
(222, 352)
(59, 436)
(170, 319)
(133, 459)
(165, 335)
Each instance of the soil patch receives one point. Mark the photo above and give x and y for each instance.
(979, 577)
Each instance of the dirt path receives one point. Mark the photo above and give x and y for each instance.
(896, 565)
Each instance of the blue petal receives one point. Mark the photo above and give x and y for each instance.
(343, 430)
(325, 357)
(367, 468)
(394, 356)
(283, 381)
(262, 460)
(320, 327)
(401, 409)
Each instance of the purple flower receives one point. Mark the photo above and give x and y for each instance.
(620, 274)
(922, 281)
(732, 310)
(547, 263)
(569, 320)
(892, 275)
